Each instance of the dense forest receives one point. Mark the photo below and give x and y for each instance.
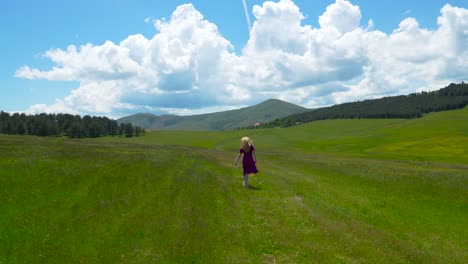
(73, 126)
(414, 105)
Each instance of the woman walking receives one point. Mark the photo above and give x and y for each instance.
(249, 159)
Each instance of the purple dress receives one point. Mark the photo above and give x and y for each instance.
(248, 161)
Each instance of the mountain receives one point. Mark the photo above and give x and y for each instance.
(266, 111)
(454, 96)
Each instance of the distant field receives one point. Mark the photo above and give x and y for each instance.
(338, 191)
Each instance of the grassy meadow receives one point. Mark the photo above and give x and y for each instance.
(333, 191)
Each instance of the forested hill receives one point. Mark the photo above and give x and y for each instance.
(73, 126)
(454, 96)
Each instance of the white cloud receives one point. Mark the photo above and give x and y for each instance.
(341, 16)
(189, 67)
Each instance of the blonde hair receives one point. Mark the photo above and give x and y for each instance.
(245, 143)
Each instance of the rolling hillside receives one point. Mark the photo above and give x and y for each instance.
(263, 112)
(454, 96)
(331, 191)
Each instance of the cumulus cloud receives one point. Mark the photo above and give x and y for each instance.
(341, 16)
(189, 67)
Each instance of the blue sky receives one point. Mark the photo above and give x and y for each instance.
(315, 60)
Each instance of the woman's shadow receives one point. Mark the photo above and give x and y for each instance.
(254, 188)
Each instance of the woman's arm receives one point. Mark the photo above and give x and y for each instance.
(255, 157)
(237, 158)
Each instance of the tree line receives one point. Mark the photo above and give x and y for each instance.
(454, 96)
(73, 126)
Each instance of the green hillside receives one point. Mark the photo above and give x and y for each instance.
(332, 191)
(263, 112)
(454, 96)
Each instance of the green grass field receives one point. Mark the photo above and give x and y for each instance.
(336, 191)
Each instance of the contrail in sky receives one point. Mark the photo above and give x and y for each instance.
(247, 15)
